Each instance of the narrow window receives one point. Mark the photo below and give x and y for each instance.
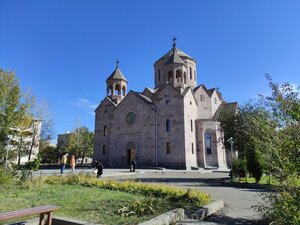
(208, 144)
(191, 74)
(167, 125)
(191, 125)
(158, 75)
(216, 101)
(193, 148)
(124, 90)
(103, 149)
(170, 76)
(195, 74)
(168, 148)
(104, 131)
(202, 98)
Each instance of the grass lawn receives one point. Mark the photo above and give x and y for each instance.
(263, 180)
(91, 204)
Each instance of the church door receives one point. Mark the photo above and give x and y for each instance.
(130, 151)
(130, 155)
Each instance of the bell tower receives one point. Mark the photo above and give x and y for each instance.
(116, 85)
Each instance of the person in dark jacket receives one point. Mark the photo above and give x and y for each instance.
(99, 166)
(132, 165)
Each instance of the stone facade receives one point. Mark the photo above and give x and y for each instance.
(173, 126)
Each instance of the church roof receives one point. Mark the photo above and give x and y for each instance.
(174, 58)
(152, 90)
(224, 109)
(209, 92)
(180, 53)
(145, 99)
(116, 75)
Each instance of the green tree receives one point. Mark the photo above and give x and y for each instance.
(80, 143)
(48, 153)
(280, 141)
(41, 127)
(14, 109)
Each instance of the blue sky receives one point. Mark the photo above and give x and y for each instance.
(63, 50)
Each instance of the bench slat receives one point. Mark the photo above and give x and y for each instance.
(28, 212)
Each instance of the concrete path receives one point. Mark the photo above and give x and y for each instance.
(238, 200)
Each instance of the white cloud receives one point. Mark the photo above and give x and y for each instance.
(82, 103)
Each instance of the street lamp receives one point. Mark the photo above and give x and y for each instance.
(230, 140)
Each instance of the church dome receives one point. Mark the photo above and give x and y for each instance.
(116, 75)
(179, 52)
(169, 54)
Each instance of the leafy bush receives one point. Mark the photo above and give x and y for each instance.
(139, 208)
(198, 198)
(6, 177)
(238, 165)
(33, 165)
(283, 207)
(255, 164)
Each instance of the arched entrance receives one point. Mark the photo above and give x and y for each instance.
(210, 148)
(130, 151)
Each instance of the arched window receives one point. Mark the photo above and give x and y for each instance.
(168, 148)
(104, 130)
(191, 125)
(178, 76)
(191, 73)
(117, 89)
(193, 148)
(167, 125)
(109, 90)
(208, 144)
(103, 149)
(124, 91)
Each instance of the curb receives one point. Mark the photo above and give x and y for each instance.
(208, 210)
(167, 218)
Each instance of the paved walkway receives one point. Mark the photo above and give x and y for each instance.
(238, 200)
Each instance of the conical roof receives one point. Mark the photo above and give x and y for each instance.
(174, 58)
(116, 75)
(180, 53)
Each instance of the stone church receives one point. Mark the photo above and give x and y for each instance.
(173, 125)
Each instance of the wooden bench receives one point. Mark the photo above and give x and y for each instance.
(44, 211)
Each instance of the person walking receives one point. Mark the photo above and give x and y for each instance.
(99, 166)
(63, 163)
(72, 163)
(132, 165)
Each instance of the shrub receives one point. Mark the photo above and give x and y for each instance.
(175, 194)
(140, 208)
(6, 177)
(33, 165)
(238, 165)
(255, 164)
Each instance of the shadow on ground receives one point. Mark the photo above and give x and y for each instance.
(225, 220)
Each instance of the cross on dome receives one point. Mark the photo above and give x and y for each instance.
(174, 42)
